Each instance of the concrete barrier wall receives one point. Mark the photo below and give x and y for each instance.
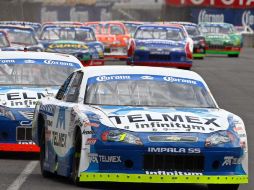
(248, 40)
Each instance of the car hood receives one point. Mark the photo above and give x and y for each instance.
(139, 119)
(24, 97)
(159, 43)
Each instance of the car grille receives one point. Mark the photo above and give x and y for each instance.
(24, 133)
(191, 163)
(159, 57)
(216, 46)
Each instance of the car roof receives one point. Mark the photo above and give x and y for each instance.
(124, 69)
(16, 27)
(38, 55)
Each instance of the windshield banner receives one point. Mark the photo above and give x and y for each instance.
(125, 77)
(40, 61)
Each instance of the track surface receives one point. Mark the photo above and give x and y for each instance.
(231, 81)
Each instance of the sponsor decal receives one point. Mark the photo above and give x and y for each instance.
(62, 63)
(74, 46)
(166, 121)
(207, 17)
(59, 139)
(7, 61)
(91, 141)
(23, 98)
(113, 77)
(171, 173)
(146, 77)
(95, 158)
(174, 150)
(231, 160)
(172, 138)
(247, 18)
(213, 3)
(90, 124)
(29, 61)
(180, 80)
(87, 132)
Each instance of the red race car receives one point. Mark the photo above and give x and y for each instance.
(114, 36)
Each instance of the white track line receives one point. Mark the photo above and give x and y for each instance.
(23, 176)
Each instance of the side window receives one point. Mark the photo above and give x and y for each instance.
(73, 89)
(63, 88)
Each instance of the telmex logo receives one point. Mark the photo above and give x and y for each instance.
(117, 77)
(247, 18)
(75, 46)
(205, 17)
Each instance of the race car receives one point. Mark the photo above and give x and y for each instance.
(4, 41)
(160, 45)
(199, 48)
(114, 36)
(79, 41)
(132, 26)
(22, 38)
(221, 38)
(27, 77)
(35, 25)
(140, 124)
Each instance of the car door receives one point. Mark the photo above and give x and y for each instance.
(60, 129)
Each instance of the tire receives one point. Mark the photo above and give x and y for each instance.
(76, 158)
(223, 187)
(233, 55)
(42, 154)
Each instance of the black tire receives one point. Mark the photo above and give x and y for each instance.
(42, 153)
(233, 55)
(223, 187)
(76, 158)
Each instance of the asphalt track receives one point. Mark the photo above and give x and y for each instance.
(231, 81)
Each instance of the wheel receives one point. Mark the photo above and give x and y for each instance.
(42, 153)
(76, 158)
(233, 55)
(223, 187)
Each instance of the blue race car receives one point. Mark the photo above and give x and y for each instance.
(161, 45)
(25, 78)
(35, 25)
(22, 38)
(79, 41)
(140, 124)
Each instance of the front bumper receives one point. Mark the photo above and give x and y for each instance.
(145, 178)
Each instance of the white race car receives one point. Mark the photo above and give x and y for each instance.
(25, 78)
(140, 124)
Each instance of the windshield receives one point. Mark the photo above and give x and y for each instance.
(33, 74)
(21, 36)
(131, 27)
(161, 33)
(68, 33)
(3, 41)
(218, 29)
(154, 91)
(192, 30)
(98, 28)
(114, 29)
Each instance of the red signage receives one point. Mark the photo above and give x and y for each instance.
(213, 3)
